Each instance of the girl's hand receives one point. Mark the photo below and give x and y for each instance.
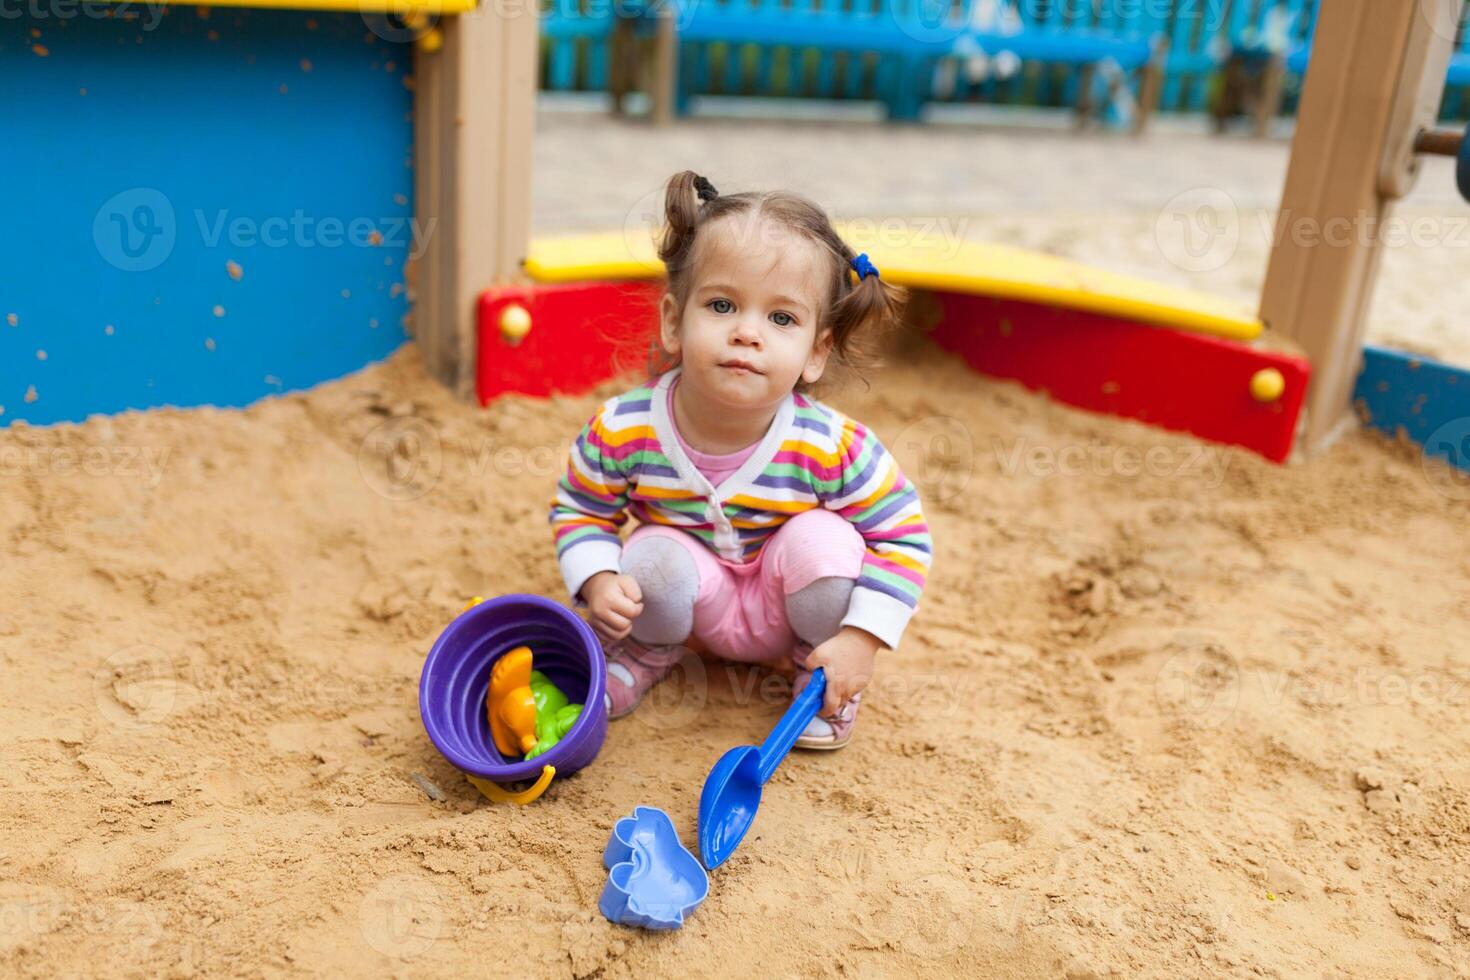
(848, 657)
(613, 602)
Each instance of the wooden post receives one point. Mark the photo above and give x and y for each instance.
(622, 67)
(1270, 95)
(1377, 76)
(664, 87)
(1151, 88)
(1086, 78)
(474, 118)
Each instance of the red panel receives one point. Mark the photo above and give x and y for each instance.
(581, 334)
(584, 333)
(1182, 381)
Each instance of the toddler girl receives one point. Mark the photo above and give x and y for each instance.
(771, 527)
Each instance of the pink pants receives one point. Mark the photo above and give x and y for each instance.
(740, 609)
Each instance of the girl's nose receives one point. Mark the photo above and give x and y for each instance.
(747, 331)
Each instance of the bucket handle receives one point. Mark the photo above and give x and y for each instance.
(496, 793)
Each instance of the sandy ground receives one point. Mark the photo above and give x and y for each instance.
(1167, 710)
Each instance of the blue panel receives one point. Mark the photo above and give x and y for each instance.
(158, 154)
(1429, 401)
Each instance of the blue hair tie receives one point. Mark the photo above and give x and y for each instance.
(864, 267)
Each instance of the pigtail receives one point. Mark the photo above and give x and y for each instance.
(687, 192)
(864, 314)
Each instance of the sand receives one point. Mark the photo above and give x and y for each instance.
(1167, 710)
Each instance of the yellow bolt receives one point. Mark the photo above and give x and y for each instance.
(1267, 385)
(515, 323)
(430, 41)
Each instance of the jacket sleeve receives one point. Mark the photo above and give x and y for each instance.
(873, 494)
(589, 507)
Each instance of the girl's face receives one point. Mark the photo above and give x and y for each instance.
(749, 331)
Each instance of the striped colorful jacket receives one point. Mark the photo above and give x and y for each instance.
(628, 460)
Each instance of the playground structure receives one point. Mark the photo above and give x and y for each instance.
(553, 309)
(495, 312)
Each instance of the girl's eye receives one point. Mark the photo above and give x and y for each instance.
(722, 306)
(782, 319)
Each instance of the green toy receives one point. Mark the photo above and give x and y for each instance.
(554, 715)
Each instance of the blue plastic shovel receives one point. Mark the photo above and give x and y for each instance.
(732, 791)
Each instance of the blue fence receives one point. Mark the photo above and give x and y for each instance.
(1201, 33)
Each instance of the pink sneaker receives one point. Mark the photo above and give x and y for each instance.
(632, 669)
(823, 734)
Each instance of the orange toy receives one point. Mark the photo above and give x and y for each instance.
(510, 705)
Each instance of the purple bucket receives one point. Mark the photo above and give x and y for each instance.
(457, 675)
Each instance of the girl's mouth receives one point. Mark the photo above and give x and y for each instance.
(739, 367)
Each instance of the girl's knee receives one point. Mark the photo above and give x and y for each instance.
(816, 544)
(669, 580)
(816, 611)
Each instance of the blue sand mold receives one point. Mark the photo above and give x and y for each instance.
(176, 138)
(653, 880)
(1428, 400)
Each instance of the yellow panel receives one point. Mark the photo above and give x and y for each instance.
(364, 6)
(961, 267)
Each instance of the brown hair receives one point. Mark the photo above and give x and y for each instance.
(856, 313)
